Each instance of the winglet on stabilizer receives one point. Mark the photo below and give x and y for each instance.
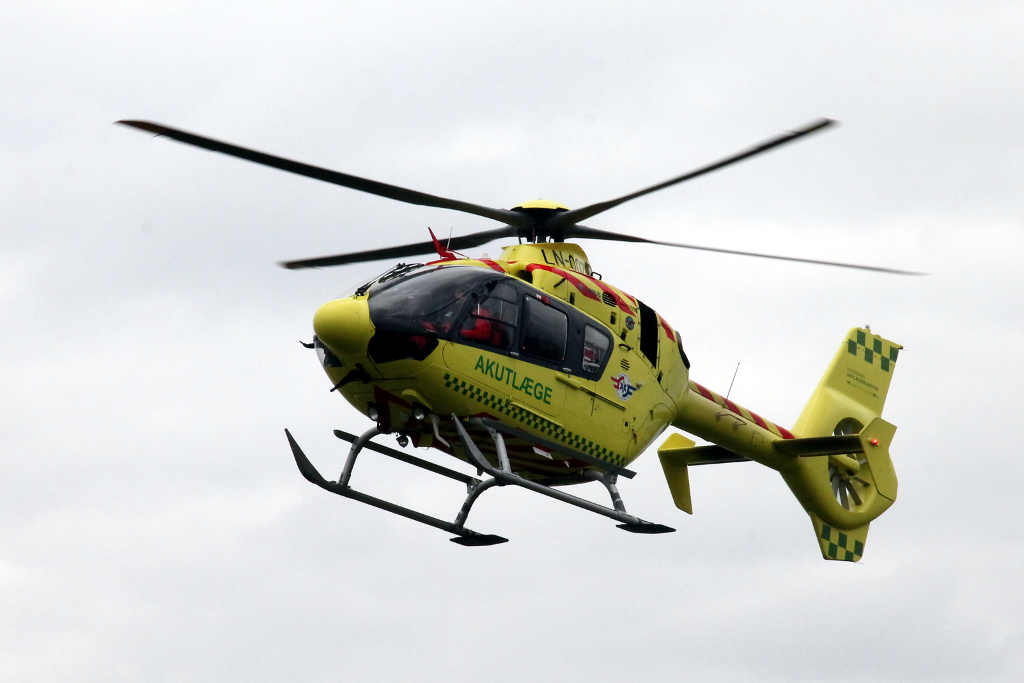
(677, 454)
(673, 462)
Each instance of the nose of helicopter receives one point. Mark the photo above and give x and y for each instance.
(344, 326)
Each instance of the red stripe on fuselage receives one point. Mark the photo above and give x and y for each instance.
(705, 393)
(619, 301)
(668, 330)
(492, 264)
(760, 421)
(574, 278)
(570, 278)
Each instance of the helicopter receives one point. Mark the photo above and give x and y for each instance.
(538, 373)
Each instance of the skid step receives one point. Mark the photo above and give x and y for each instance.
(479, 539)
(646, 528)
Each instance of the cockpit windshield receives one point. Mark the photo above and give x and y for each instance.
(393, 273)
(427, 301)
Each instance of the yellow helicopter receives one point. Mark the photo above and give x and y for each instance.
(538, 373)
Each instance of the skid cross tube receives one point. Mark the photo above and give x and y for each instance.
(627, 521)
(552, 446)
(411, 459)
(608, 480)
(463, 536)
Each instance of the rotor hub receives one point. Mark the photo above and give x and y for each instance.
(540, 211)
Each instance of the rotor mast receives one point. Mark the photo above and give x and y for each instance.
(540, 213)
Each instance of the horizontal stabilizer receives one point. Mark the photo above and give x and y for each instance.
(711, 455)
(678, 453)
(820, 445)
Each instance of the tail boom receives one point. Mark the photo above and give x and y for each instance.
(715, 418)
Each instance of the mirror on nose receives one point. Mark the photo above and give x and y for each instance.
(325, 355)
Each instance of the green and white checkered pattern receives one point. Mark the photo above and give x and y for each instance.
(839, 549)
(532, 420)
(885, 353)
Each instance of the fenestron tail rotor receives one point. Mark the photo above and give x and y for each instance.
(844, 481)
(843, 488)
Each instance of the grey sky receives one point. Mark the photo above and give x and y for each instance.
(153, 526)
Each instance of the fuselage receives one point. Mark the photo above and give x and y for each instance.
(533, 339)
(536, 341)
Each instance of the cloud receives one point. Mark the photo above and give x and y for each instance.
(152, 523)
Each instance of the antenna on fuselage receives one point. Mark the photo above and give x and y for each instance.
(733, 381)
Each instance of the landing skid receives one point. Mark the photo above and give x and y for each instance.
(463, 536)
(504, 475)
(500, 476)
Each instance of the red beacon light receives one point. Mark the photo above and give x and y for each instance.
(873, 442)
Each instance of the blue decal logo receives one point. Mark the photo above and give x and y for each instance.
(623, 387)
(629, 322)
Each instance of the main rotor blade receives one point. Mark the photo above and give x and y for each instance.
(362, 184)
(575, 215)
(580, 231)
(475, 239)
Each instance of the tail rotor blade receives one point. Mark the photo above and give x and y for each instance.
(853, 493)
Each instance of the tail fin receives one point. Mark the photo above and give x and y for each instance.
(845, 545)
(854, 386)
(844, 493)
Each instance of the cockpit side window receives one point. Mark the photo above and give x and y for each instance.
(545, 331)
(493, 317)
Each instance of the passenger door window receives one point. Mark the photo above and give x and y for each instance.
(649, 333)
(545, 331)
(595, 349)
